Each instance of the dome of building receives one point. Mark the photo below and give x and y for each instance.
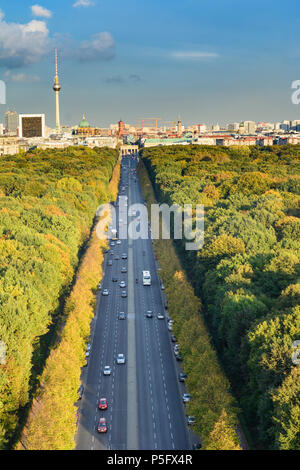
(84, 123)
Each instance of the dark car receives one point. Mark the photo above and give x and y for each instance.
(114, 279)
(80, 392)
(190, 420)
(182, 376)
(173, 338)
(197, 446)
(124, 256)
(149, 314)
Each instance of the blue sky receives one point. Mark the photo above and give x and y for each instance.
(207, 60)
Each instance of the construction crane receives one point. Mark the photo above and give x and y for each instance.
(150, 120)
(171, 124)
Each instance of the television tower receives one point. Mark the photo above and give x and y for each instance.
(57, 88)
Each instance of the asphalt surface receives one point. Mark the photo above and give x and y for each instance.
(145, 409)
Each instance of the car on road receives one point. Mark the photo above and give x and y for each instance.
(105, 292)
(149, 314)
(80, 392)
(121, 359)
(178, 357)
(173, 338)
(170, 327)
(122, 284)
(162, 287)
(122, 316)
(87, 354)
(123, 270)
(119, 242)
(160, 316)
(99, 286)
(102, 426)
(124, 256)
(197, 446)
(186, 397)
(102, 405)
(109, 262)
(190, 420)
(124, 294)
(182, 376)
(176, 348)
(117, 257)
(107, 370)
(111, 252)
(112, 244)
(88, 347)
(114, 279)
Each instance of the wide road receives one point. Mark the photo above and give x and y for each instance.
(145, 409)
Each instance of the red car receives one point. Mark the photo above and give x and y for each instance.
(102, 427)
(102, 404)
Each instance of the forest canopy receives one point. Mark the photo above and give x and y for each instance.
(248, 272)
(48, 201)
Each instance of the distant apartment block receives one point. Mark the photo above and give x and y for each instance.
(11, 122)
(8, 145)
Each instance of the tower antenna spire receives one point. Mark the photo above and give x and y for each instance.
(57, 88)
(56, 62)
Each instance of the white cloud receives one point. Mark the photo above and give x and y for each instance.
(101, 46)
(21, 77)
(22, 44)
(194, 55)
(38, 10)
(83, 3)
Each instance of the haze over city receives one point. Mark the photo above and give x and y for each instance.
(209, 61)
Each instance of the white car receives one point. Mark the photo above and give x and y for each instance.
(122, 284)
(186, 397)
(160, 316)
(121, 359)
(87, 354)
(105, 292)
(107, 370)
(119, 242)
(88, 347)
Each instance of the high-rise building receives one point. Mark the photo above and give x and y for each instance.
(57, 88)
(294, 124)
(11, 122)
(179, 128)
(31, 125)
(234, 126)
(121, 128)
(250, 127)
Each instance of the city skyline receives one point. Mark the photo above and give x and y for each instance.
(169, 64)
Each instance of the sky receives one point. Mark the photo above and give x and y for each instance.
(208, 60)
